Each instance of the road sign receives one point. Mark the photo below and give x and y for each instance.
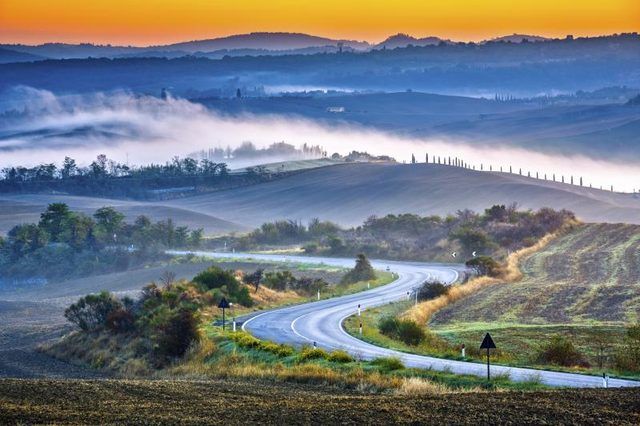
(224, 304)
(487, 343)
(454, 254)
(473, 254)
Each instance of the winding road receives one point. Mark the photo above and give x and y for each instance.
(321, 322)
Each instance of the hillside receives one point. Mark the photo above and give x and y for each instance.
(350, 193)
(524, 69)
(566, 126)
(589, 276)
(17, 209)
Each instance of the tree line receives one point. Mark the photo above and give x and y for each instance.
(65, 244)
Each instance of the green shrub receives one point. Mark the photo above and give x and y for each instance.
(485, 265)
(247, 341)
(91, 312)
(388, 363)
(388, 326)
(173, 332)
(410, 333)
(276, 349)
(308, 353)
(406, 331)
(340, 356)
(561, 351)
(431, 290)
(215, 277)
(363, 271)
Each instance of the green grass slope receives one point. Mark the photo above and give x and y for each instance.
(590, 275)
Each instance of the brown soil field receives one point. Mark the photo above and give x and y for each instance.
(33, 316)
(250, 402)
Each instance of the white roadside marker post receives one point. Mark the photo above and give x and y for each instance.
(318, 294)
(361, 329)
(358, 309)
(463, 350)
(368, 285)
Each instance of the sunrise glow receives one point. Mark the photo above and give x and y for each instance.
(165, 21)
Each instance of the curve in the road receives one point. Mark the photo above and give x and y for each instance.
(321, 322)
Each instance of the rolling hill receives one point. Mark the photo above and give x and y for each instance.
(17, 209)
(348, 194)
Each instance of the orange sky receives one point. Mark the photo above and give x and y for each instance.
(164, 21)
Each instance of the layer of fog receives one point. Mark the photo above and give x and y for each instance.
(39, 127)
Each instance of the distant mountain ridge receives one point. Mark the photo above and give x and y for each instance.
(519, 38)
(404, 40)
(264, 40)
(251, 44)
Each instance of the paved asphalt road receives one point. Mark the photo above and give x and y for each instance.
(321, 322)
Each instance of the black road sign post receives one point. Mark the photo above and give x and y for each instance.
(487, 343)
(224, 304)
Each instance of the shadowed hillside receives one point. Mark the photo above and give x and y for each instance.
(350, 193)
(18, 209)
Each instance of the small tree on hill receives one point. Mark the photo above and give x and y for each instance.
(361, 272)
(91, 312)
(254, 278)
(485, 265)
(431, 290)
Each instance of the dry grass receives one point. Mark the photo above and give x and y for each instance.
(422, 312)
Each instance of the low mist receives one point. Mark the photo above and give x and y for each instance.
(37, 126)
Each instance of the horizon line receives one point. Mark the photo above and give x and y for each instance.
(369, 42)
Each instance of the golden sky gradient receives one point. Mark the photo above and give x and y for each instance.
(139, 22)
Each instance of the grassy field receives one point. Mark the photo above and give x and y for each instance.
(584, 286)
(250, 401)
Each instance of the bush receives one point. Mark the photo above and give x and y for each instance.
(174, 331)
(561, 351)
(388, 326)
(485, 265)
(281, 280)
(91, 312)
(406, 331)
(340, 356)
(431, 290)
(363, 271)
(223, 283)
(410, 333)
(215, 277)
(310, 248)
(388, 363)
(120, 321)
(308, 353)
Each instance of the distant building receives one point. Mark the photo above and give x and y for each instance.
(335, 109)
